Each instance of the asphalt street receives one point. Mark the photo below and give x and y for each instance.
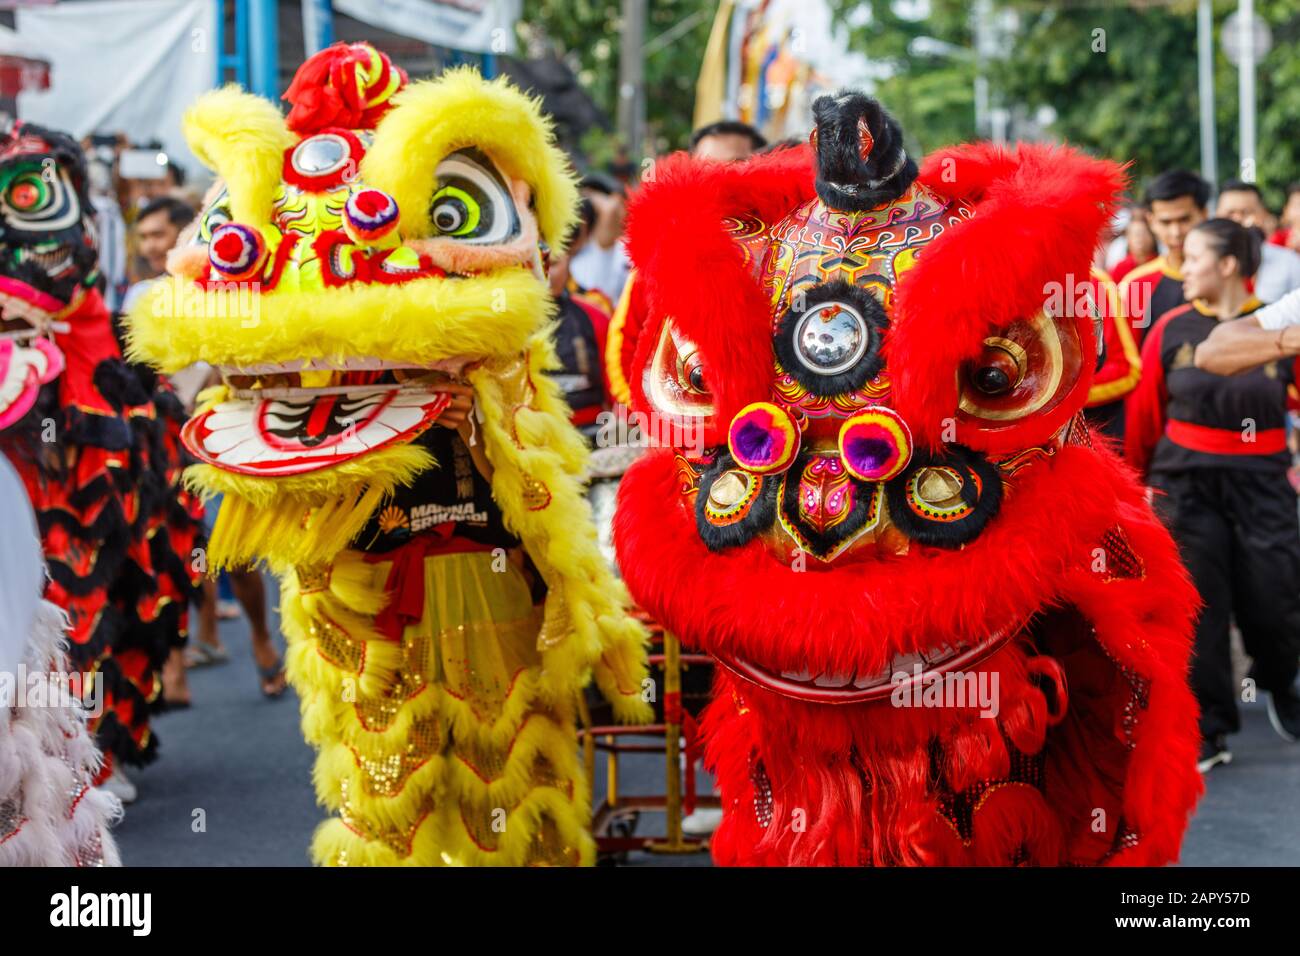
(232, 785)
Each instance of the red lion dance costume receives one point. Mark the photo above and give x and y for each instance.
(951, 630)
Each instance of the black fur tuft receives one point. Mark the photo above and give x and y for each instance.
(844, 179)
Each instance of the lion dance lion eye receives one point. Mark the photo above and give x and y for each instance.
(472, 202)
(1000, 367)
(676, 380)
(1028, 368)
(33, 200)
(28, 194)
(692, 374)
(455, 212)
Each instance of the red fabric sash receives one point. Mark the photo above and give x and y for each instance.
(1225, 441)
(405, 584)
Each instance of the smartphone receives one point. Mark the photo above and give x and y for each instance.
(142, 164)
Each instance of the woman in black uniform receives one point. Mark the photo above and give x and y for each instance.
(1214, 450)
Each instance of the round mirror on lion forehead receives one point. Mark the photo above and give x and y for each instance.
(320, 154)
(831, 338)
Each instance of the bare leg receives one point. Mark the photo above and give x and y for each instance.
(251, 593)
(176, 687)
(207, 641)
(208, 614)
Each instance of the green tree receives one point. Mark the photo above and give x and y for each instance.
(1119, 75)
(930, 60)
(586, 34)
(1123, 83)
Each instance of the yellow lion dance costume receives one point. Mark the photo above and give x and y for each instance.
(442, 592)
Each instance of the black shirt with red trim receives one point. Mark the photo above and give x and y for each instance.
(1236, 421)
(1166, 296)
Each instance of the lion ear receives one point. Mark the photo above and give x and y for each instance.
(1036, 214)
(242, 138)
(432, 118)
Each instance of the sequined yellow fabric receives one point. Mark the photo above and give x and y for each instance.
(436, 750)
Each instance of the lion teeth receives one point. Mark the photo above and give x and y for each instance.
(833, 680)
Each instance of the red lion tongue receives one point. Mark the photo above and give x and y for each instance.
(321, 414)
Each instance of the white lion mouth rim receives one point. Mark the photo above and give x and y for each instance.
(827, 688)
(264, 435)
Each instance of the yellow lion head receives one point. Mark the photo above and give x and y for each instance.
(384, 238)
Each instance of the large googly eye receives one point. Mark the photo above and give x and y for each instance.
(472, 202)
(455, 212)
(1027, 369)
(39, 198)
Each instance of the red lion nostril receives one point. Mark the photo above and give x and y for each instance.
(875, 444)
(763, 438)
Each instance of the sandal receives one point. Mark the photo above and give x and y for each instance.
(202, 654)
(274, 676)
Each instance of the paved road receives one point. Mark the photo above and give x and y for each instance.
(232, 786)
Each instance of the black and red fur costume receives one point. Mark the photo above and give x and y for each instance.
(95, 441)
(897, 491)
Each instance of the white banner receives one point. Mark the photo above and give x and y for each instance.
(129, 66)
(475, 26)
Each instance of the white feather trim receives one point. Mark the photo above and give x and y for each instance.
(47, 764)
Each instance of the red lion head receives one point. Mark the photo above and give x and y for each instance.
(950, 629)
